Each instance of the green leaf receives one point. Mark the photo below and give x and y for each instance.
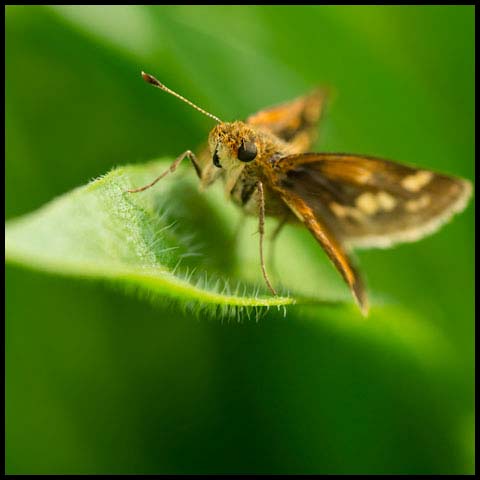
(102, 231)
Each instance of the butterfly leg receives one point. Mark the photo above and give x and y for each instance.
(261, 231)
(172, 168)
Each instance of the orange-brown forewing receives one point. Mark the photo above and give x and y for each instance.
(370, 202)
(351, 201)
(295, 121)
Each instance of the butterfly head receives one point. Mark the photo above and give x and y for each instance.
(233, 145)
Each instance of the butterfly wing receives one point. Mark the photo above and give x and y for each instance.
(369, 202)
(354, 201)
(295, 121)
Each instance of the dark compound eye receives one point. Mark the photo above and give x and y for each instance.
(216, 160)
(247, 151)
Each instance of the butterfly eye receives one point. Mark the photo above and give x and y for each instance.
(247, 151)
(216, 160)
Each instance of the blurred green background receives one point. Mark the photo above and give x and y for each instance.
(102, 382)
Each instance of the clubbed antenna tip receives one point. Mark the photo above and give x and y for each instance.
(153, 81)
(149, 79)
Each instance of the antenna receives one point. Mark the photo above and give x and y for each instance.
(151, 79)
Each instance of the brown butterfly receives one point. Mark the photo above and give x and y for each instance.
(345, 201)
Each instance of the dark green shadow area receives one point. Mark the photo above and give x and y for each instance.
(116, 385)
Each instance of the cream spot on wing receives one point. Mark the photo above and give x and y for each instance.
(386, 201)
(342, 211)
(339, 210)
(416, 205)
(367, 203)
(370, 203)
(417, 181)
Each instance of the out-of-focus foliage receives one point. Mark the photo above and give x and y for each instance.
(100, 382)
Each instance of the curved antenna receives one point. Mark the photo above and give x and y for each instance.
(152, 80)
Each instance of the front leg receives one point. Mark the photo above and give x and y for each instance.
(261, 231)
(172, 168)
